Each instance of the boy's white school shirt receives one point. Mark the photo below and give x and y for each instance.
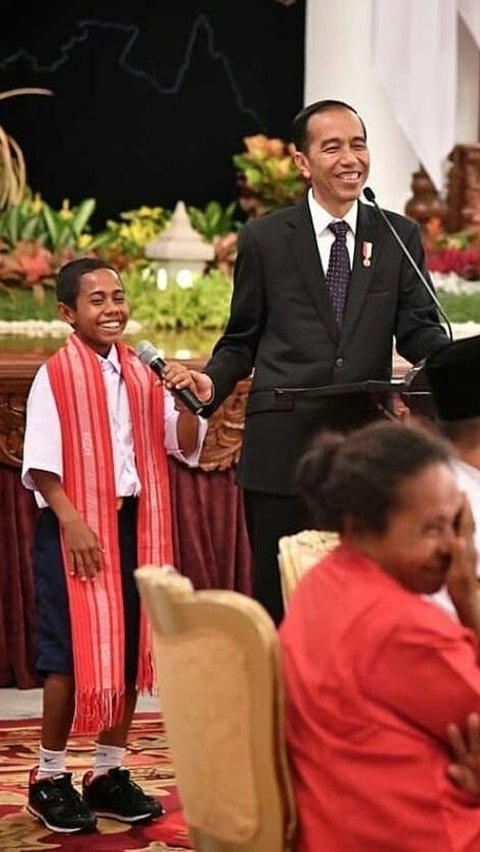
(43, 438)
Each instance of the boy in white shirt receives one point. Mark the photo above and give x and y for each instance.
(99, 426)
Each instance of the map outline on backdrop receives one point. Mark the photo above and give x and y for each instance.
(98, 67)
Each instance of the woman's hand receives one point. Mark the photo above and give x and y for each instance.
(465, 770)
(462, 583)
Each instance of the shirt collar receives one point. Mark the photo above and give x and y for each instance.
(321, 218)
(467, 469)
(111, 361)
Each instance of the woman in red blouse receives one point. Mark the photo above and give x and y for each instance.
(380, 683)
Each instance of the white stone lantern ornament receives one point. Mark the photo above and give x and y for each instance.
(179, 250)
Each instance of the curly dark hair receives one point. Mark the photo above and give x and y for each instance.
(360, 474)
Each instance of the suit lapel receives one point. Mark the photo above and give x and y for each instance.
(367, 231)
(301, 237)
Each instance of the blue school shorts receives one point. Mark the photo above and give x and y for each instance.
(53, 633)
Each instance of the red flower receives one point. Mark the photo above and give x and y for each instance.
(464, 262)
(29, 261)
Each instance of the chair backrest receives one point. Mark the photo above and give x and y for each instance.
(220, 689)
(298, 553)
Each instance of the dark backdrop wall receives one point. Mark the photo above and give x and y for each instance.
(151, 99)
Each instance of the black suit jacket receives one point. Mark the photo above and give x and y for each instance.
(282, 325)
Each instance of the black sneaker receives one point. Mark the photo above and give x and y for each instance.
(57, 804)
(115, 796)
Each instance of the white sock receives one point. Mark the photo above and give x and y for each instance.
(51, 763)
(107, 757)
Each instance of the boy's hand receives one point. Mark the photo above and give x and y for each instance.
(82, 545)
(84, 549)
(465, 770)
(177, 375)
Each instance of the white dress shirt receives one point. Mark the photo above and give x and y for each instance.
(321, 219)
(467, 478)
(43, 438)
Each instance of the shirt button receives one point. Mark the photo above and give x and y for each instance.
(339, 362)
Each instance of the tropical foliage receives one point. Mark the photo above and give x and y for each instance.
(36, 239)
(127, 239)
(214, 220)
(267, 175)
(204, 304)
(218, 226)
(33, 220)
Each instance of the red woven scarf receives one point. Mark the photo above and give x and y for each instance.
(96, 608)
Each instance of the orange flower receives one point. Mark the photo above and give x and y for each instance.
(256, 145)
(434, 227)
(275, 147)
(283, 167)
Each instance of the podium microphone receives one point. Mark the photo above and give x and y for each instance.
(149, 356)
(370, 196)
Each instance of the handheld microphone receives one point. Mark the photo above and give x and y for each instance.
(148, 355)
(370, 196)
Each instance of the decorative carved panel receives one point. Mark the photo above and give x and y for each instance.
(425, 202)
(464, 188)
(12, 428)
(461, 208)
(225, 431)
(16, 374)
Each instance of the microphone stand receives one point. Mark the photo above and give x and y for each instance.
(370, 196)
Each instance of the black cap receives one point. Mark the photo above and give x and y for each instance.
(454, 377)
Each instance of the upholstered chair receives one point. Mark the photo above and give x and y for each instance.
(298, 553)
(220, 692)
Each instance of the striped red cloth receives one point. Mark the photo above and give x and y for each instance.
(96, 608)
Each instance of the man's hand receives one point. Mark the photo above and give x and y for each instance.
(176, 375)
(465, 770)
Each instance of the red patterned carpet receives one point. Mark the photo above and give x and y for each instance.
(147, 758)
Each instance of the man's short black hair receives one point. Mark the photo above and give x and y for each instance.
(68, 277)
(300, 122)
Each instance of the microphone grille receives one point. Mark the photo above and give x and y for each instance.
(369, 193)
(146, 352)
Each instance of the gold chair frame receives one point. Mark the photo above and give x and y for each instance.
(220, 689)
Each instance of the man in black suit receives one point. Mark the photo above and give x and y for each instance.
(289, 325)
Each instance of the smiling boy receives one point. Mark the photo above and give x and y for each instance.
(99, 426)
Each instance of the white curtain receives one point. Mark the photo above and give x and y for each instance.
(470, 12)
(414, 56)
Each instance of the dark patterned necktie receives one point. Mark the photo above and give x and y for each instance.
(338, 273)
